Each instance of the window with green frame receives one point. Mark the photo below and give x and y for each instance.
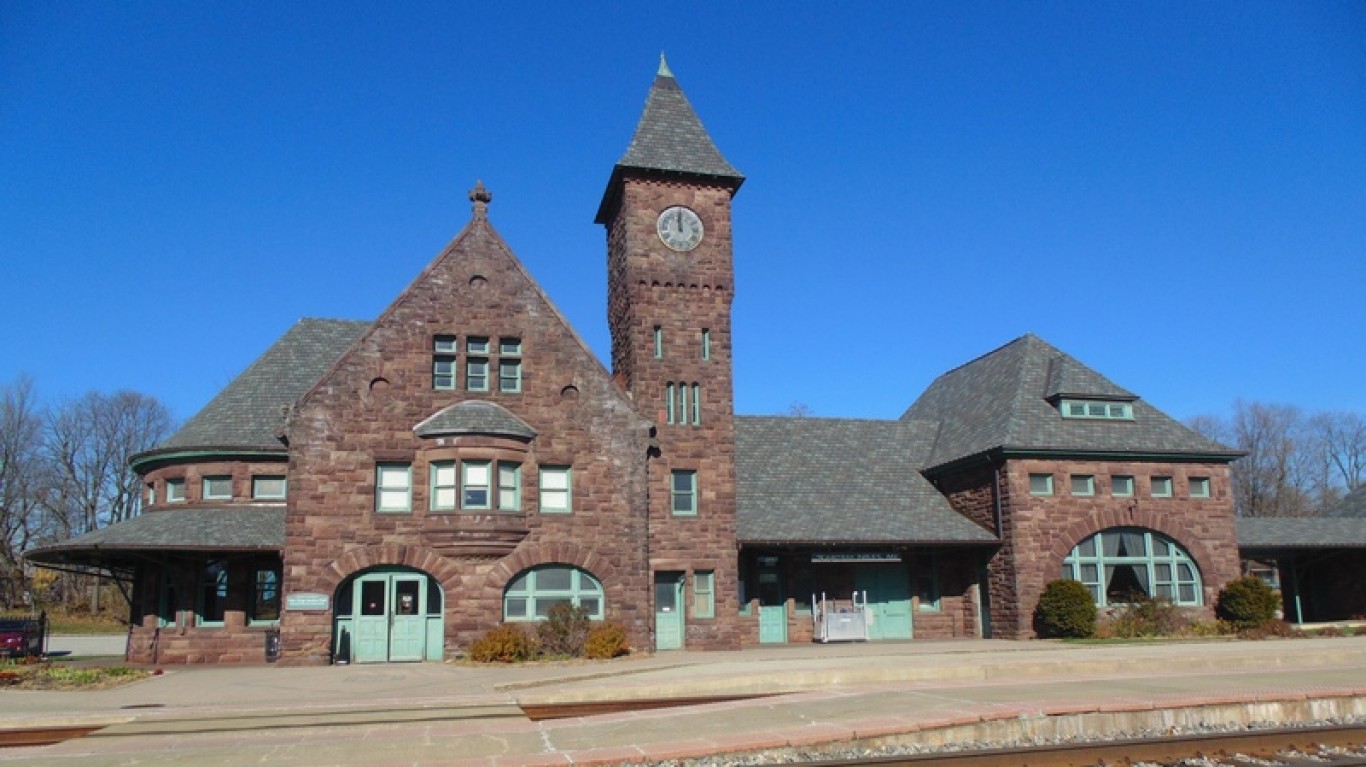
(509, 486)
(1121, 562)
(265, 597)
(532, 593)
(684, 492)
(444, 349)
(704, 594)
(477, 363)
(393, 487)
(510, 365)
(1040, 484)
(556, 490)
(175, 490)
(475, 477)
(213, 595)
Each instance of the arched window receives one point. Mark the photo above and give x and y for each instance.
(531, 594)
(1118, 563)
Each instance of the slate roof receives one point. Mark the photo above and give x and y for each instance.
(671, 138)
(249, 412)
(1353, 505)
(198, 529)
(1302, 533)
(474, 417)
(1001, 401)
(820, 480)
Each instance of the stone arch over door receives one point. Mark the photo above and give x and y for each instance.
(388, 613)
(393, 561)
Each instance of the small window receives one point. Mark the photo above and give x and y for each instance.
(1112, 411)
(217, 488)
(265, 600)
(1199, 487)
(268, 487)
(444, 349)
(175, 490)
(1083, 484)
(444, 489)
(509, 487)
(1040, 484)
(476, 374)
(704, 594)
(684, 492)
(444, 345)
(696, 405)
(1162, 487)
(706, 344)
(474, 484)
(659, 342)
(393, 487)
(477, 345)
(1121, 486)
(510, 365)
(556, 490)
(151, 494)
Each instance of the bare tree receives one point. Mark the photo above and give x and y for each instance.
(20, 470)
(799, 410)
(88, 443)
(1341, 440)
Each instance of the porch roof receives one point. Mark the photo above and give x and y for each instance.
(217, 529)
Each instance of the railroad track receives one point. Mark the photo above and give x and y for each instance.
(1294, 747)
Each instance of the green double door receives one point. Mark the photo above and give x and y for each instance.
(390, 621)
(889, 599)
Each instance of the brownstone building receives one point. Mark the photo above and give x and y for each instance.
(388, 490)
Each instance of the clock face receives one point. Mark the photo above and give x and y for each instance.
(679, 228)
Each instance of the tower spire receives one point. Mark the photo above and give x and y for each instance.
(663, 67)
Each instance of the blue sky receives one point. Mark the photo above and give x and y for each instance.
(1172, 192)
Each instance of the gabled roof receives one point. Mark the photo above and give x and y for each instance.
(819, 480)
(249, 412)
(1007, 400)
(1352, 505)
(474, 417)
(199, 529)
(669, 138)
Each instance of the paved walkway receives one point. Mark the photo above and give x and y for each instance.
(466, 715)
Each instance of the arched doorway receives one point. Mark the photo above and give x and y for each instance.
(389, 615)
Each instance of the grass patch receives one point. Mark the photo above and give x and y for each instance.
(49, 676)
(84, 624)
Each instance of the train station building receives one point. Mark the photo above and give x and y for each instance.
(388, 490)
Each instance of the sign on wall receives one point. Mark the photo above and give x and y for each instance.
(304, 600)
(856, 556)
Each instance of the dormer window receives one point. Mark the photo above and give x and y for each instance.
(1096, 409)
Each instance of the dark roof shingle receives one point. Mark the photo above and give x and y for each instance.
(249, 411)
(820, 480)
(1302, 533)
(223, 529)
(1005, 399)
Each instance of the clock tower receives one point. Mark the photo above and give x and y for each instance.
(670, 281)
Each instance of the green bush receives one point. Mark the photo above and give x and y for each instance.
(605, 640)
(1145, 616)
(1066, 609)
(1248, 602)
(564, 631)
(503, 644)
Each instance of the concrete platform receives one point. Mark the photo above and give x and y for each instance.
(467, 715)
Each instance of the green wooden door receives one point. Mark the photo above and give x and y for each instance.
(889, 599)
(371, 642)
(390, 617)
(772, 609)
(668, 611)
(407, 624)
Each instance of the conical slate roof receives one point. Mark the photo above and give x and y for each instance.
(669, 138)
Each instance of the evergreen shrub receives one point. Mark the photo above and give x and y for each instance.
(1248, 602)
(1065, 610)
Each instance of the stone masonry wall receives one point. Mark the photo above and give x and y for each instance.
(364, 411)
